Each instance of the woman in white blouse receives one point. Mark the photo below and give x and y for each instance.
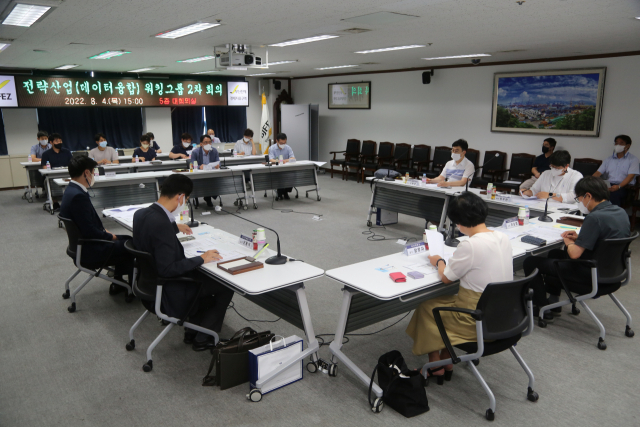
(486, 257)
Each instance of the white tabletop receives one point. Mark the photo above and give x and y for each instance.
(121, 166)
(263, 168)
(255, 282)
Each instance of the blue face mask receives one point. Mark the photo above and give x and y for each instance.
(103, 144)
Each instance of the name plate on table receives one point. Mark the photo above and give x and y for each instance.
(510, 223)
(503, 198)
(415, 182)
(246, 241)
(415, 248)
(110, 174)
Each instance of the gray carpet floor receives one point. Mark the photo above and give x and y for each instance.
(58, 368)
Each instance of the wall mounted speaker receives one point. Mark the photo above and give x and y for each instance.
(277, 84)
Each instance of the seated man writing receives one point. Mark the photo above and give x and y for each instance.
(76, 206)
(558, 182)
(154, 231)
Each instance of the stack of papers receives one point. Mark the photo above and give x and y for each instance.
(546, 233)
(124, 212)
(194, 248)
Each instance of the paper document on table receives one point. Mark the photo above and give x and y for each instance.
(423, 267)
(525, 197)
(196, 247)
(512, 233)
(546, 233)
(435, 242)
(431, 185)
(512, 182)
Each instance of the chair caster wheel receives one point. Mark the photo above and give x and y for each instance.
(378, 405)
(575, 310)
(476, 362)
(296, 196)
(72, 307)
(490, 415)
(312, 367)
(532, 395)
(542, 323)
(333, 370)
(602, 345)
(319, 198)
(128, 298)
(245, 207)
(629, 332)
(368, 223)
(131, 345)
(255, 395)
(147, 367)
(255, 206)
(66, 294)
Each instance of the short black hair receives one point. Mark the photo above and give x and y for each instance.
(79, 164)
(42, 133)
(560, 158)
(551, 141)
(176, 183)
(97, 137)
(468, 210)
(248, 132)
(202, 138)
(145, 138)
(151, 135)
(594, 186)
(464, 145)
(55, 136)
(625, 138)
(186, 136)
(281, 137)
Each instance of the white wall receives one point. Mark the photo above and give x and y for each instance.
(457, 104)
(158, 121)
(20, 129)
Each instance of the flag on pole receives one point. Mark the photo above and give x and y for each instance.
(265, 125)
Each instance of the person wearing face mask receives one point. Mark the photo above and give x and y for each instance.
(154, 231)
(458, 170)
(145, 152)
(182, 150)
(57, 156)
(246, 146)
(280, 148)
(619, 170)
(102, 154)
(204, 155)
(604, 221)
(77, 206)
(38, 149)
(558, 182)
(212, 135)
(540, 164)
(486, 257)
(153, 143)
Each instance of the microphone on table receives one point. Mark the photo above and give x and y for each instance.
(545, 217)
(485, 164)
(191, 223)
(274, 260)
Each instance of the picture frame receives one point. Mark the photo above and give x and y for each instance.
(552, 102)
(349, 96)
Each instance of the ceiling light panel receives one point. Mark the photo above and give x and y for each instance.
(260, 74)
(306, 40)
(477, 55)
(25, 15)
(198, 59)
(282, 62)
(139, 70)
(185, 31)
(387, 49)
(109, 54)
(67, 67)
(337, 66)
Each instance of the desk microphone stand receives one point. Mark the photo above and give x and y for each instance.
(388, 178)
(545, 217)
(191, 223)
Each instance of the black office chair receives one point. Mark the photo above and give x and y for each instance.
(147, 286)
(80, 153)
(441, 155)
(519, 170)
(419, 160)
(352, 151)
(367, 153)
(503, 315)
(610, 270)
(74, 250)
(402, 156)
(586, 166)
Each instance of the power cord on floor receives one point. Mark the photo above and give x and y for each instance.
(346, 336)
(373, 237)
(232, 306)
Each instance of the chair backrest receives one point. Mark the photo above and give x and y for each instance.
(504, 308)
(473, 156)
(497, 164)
(586, 166)
(80, 153)
(353, 147)
(421, 153)
(386, 149)
(120, 152)
(441, 155)
(403, 151)
(146, 282)
(521, 164)
(612, 256)
(73, 235)
(369, 148)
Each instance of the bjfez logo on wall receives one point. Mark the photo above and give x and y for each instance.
(8, 96)
(238, 93)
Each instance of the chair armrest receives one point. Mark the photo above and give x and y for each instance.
(476, 314)
(367, 156)
(584, 262)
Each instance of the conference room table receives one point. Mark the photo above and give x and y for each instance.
(279, 289)
(369, 295)
(430, 202)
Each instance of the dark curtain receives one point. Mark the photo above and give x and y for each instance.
(121, 126)
(3, 138)
(228, 123)
(189, 120)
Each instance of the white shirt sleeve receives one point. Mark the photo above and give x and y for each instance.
(460, 262)
(469, 170)
(537, 186)
(569, 195)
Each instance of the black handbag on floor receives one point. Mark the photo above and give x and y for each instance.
(231, 358)
(402, 389)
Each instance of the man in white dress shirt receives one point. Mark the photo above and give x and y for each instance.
(246, 146)
(457, 171)
(559, 182)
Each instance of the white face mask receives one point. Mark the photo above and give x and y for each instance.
(582, 207)
(207, 147)
(91, 180)
(618, 149)
(281, 146)
(556, 172)
(455, 156)
(145, 146)
(186, 144)
(246, 139)
(43, 142)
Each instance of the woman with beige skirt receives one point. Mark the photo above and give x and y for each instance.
(484, 258)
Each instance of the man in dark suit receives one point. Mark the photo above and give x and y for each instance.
(76, 206)
(154, 231)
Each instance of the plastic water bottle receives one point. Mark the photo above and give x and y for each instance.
(30, 159)
(527, 213)
(521, 216)
(96, 172)
(424, 178)
(233, 152)
(195, 165)
(48, 166)
(136, 160)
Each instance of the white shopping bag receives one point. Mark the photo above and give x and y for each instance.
(265, 359)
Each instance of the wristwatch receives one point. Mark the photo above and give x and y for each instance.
(438, 262)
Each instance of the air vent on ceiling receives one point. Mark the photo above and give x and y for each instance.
(355, 30)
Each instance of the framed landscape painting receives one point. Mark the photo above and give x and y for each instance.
(563, 102)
